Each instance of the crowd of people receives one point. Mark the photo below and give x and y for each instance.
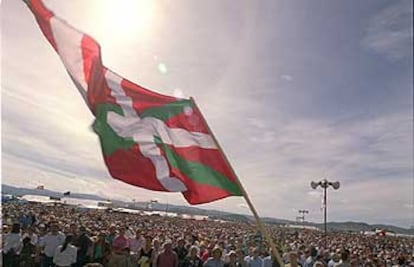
(36, 235)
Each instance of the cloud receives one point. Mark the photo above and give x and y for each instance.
(275, 151)
(390, 33)
(286, 77)
(364, 154)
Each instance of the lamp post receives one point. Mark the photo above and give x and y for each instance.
(303, 212)
(325, 184)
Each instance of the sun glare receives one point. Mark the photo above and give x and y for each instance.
(125, 18)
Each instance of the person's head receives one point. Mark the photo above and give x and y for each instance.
(148, 241)
(82, 230)
(121, 230)
(216, 253)
(26, 241)
(318, 264)
(232, 256)
(42, 228)
(102, 236)
(156, 243)
(167, 245)
(31, 230)
(256, 252)
(73, 227)
(203, 246)
(240, 253)
(344, 255)
(335, 257)
(181, 242)
(54, 227)
(15, 228)
(193, 251)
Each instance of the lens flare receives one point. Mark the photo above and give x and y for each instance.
(162, 68)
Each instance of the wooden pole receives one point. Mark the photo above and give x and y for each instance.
(259, 222)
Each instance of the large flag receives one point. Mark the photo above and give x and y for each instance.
(148, 140)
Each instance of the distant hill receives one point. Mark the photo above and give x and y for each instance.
(7, 189)
(332, 226)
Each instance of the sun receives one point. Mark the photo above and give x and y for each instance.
(123, 19)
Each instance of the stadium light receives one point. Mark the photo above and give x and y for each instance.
(325, 184)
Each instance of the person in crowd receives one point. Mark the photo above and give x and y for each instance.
(232, 256)
(192, 259)
(146, 254)
(156, 244)
(167, 258)
(27, 253)
(241, 257)
(255, 260)
(82, 243)
(65, 254)
(120, 250)
(318, 264)
(344, 259)
(101, 249)
(49, 243)
(311, 257)
(181, 251)
(12, 246)
(112, 234)
(136, 243)
(207, 252)
(334, 259)
(215, 260)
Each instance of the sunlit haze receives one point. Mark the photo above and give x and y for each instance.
(294, 91)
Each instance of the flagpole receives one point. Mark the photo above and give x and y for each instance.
(244, 192)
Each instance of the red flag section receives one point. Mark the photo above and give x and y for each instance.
(148, 140)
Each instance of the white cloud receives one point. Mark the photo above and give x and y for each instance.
(390, 32)
(286, 77)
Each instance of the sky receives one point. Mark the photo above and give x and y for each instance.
(294, 91)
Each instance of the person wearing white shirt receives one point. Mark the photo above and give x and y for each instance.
(268, 259)
(255, 260)
(135, 245)
(34, 239)
(49, 243)
(65, 254)
(12, 246)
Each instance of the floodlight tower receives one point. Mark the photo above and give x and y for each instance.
(325, 184)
